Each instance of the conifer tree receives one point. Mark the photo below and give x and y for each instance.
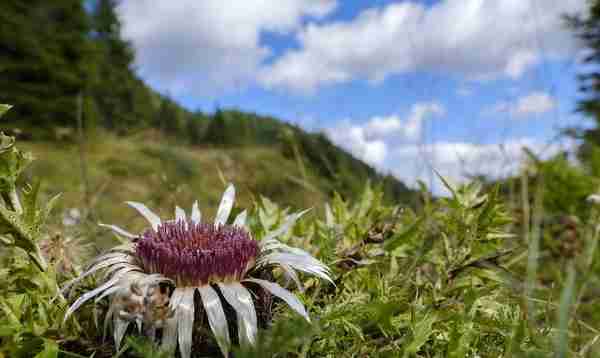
(216, 131)
(107, 29)
(194, 127)
(587, 29)
(46, 59)
(169, 118)
(114, 92)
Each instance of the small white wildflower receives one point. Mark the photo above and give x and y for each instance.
(72, 217)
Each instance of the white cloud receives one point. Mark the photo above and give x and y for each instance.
(354, 139)
(192, 46)
(453, 158)
(476, 39)
(393, 144)
(535, 103)
(409, 128)
(459, 160)
(520, 62)
(370, 140)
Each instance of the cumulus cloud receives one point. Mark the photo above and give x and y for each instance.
(520, 62)
(535, 103)
(393, 145)
(475, 39)
(370, 141)
(191, 46)
(460, 160)
(354, 139)
(407, 128)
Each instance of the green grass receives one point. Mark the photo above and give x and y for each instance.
(162, 174)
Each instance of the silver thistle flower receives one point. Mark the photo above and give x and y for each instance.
(193, 256)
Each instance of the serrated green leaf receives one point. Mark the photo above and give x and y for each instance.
(50, 350)
(30, 203)
(267, 213)
(18, 228)
(45, 213)
(366, 201)
(4, 108)
(268, 205)
(12, 307)
(463, 343)
(12, 163)
(6, 142)
(447, 184)
(399, 238)
(421, 332)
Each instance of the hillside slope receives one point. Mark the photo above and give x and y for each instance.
(160, 172)
(312, 152)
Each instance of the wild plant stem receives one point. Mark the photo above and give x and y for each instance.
(82, 161)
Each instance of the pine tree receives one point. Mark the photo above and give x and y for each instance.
(194, 127)
(46, 59)
(107, 29)
(587, 29)
(216, 131)
(169, 118)
(114, 92)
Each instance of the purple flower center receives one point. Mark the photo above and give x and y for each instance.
(197, 254)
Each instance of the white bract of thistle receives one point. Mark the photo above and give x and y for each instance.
(593, 199)
(193, 257)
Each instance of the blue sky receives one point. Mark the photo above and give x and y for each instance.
(456, 85)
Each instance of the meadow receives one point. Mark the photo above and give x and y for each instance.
(493, 270)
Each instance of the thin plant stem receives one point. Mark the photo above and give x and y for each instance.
(82, 159)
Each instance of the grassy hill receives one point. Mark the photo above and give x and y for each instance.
(161, 171)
